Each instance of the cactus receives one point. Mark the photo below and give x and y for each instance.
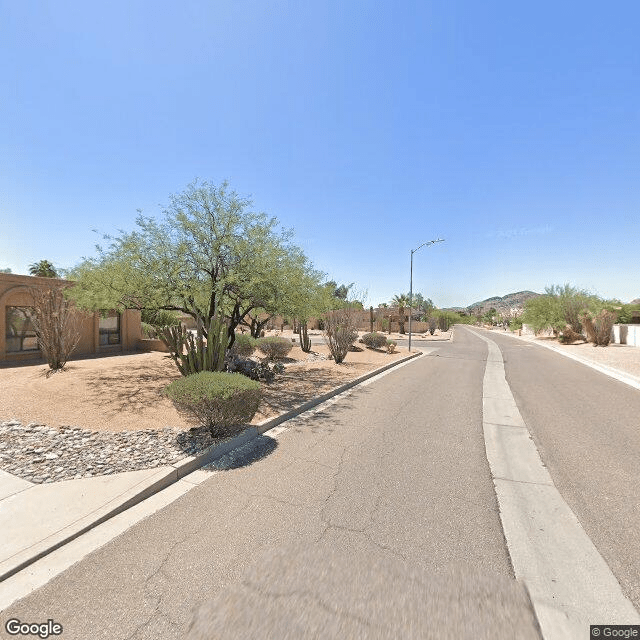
(193, 353)
(305, 340)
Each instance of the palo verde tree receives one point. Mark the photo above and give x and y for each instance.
(560, 307)
(283, 277)
(210, 256)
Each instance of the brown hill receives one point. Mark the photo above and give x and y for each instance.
(502, 304)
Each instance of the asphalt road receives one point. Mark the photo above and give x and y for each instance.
(376, 517)
(586, 427)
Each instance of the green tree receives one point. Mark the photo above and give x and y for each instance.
(561, 306)
(490, 316)
(283, 277)
(209, 254)
(43, 269)
(7, 270)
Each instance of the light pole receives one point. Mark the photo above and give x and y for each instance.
(424, 244)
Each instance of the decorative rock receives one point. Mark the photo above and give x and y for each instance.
(39, 453)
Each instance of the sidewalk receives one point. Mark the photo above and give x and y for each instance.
(36, 519)
(619, 361)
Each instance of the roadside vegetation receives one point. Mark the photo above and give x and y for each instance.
(211, 257)
(573, 314)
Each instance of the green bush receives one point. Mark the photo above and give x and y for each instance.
(274, 347)
(148, 330)
(220, 401)
(244, 345)
(374, 340)
(160, 317)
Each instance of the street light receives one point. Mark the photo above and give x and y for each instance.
(424, 244)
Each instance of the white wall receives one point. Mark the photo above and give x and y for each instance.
(626, 334)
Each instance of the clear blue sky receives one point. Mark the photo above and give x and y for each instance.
(510, 129)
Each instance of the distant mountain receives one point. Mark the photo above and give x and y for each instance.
(504, 304)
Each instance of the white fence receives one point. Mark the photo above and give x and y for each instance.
(626, 334)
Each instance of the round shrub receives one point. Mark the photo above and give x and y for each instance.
(374, 340)
(274, 347)
(243, 345)
(221, 401)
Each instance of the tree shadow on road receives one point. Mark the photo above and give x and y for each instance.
(245, 455)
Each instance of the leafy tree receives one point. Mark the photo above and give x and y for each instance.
(209, 254)
(43, 269)
(285, 277)
(490, 316)
(561, 306)
(628, 313)
(7, 270)
(427, 307)
(339, 291)
(446, 319)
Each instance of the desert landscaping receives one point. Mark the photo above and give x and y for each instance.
(124, 392)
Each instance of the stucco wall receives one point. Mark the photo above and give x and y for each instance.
(15, 292)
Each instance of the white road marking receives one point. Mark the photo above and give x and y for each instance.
(571, 585)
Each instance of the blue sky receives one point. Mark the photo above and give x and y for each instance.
(510, 129)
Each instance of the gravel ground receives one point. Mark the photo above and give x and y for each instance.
(108, 415)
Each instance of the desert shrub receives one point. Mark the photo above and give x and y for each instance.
(598, 326)
(254, 370)
(243, 345)
(340, 332)
(569, 335)
(274, 347)
(433, 324)
(56, 323)
(374, 340)
(221, 401)
(391, 346)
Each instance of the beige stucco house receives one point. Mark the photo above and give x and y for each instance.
(102, 334)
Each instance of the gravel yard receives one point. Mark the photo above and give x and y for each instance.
(107, 415)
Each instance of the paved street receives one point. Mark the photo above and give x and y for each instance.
(391, 481)
(587, 429)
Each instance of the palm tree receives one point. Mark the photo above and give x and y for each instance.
(401, 301)
(43, 269)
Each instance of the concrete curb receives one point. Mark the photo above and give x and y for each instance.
(168, 475)
(612, 372)
(164, 477)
